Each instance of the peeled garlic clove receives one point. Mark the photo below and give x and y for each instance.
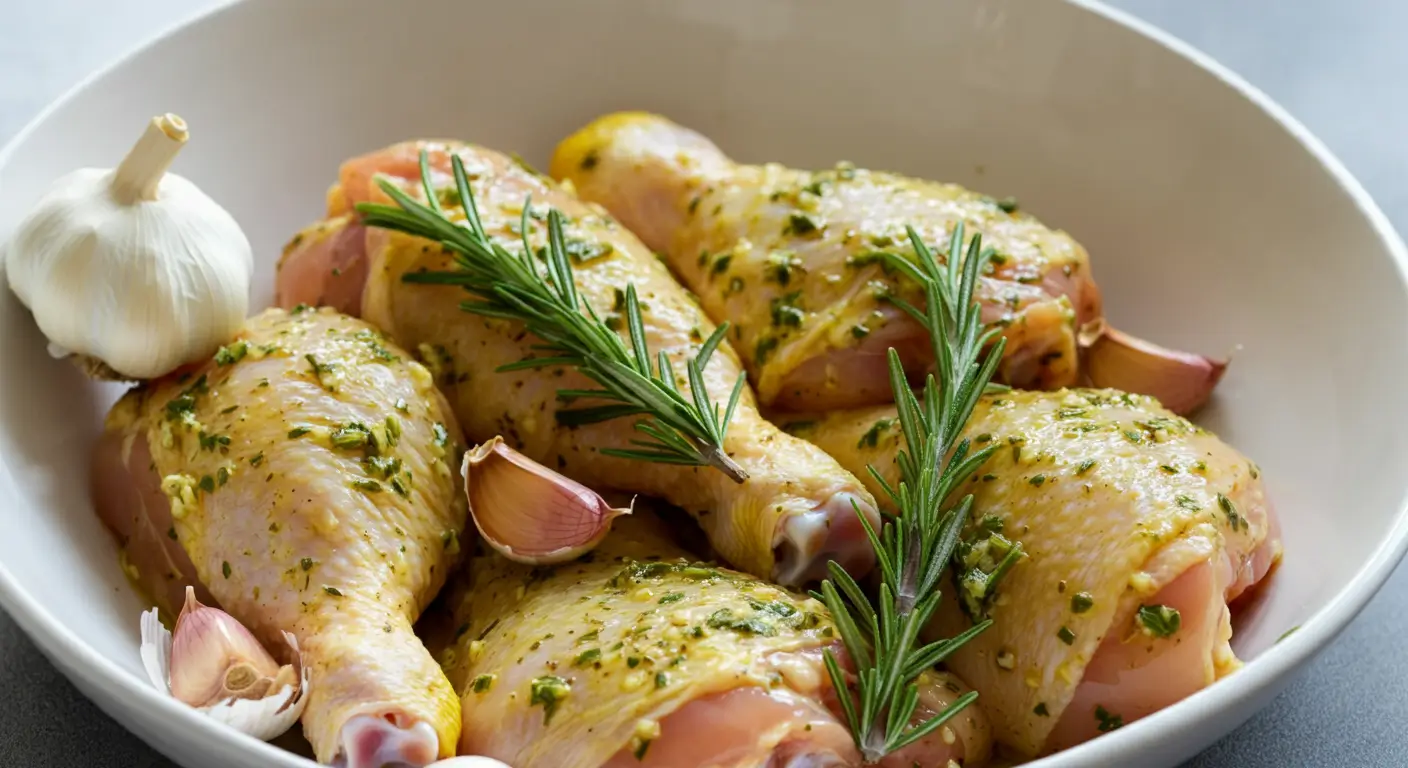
(1181, 381)
(466, 761)
(211, 651)
(529, 513)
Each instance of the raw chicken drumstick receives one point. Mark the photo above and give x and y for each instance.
(639, 657)
(792, 258)
(305, 477)
(796, 511)
(1139, 529)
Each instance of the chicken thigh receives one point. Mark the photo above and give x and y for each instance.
(792, 257)
(1139, 529)
(305, 478)
(795, 512)
(638, 656)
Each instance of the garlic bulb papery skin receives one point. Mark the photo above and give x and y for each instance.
(529, 513)
(215, 665)
(134, 270)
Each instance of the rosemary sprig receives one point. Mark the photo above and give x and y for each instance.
(679, 429)
(915, 547)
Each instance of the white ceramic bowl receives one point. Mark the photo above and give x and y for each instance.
(1215, 222)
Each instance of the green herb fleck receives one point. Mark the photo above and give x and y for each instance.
(1159, 620)
(353, 435)
(764, 349)
(1187, 502)
(1082, 602)
(231, 354)
(786, 313)
(871, 438)
(1065, 635)
(334, 591)
(589, 656)
(800, 224)
(212, 442)
(1234, 519)
(1107, 721)
(672, 597)
(483, 683)
(725, 618)
(548, 691)
(583, 251)
(225, 568)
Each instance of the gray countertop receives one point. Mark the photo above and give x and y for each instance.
(1337, 65)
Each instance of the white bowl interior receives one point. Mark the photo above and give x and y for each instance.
(1211, 224)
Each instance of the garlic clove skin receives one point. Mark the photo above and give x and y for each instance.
(134, 267)
(1181, 381)
(281, 698)
(529, 513)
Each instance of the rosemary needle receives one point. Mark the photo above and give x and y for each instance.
(679, 428)
(915, 548)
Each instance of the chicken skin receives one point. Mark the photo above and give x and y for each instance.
(796, 510)
(304, 478)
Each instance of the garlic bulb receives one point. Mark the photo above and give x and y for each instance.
(529, 513)
(1181, 381)
(134, 270)
(215, 664)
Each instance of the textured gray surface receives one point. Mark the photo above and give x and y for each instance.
(1337, 65)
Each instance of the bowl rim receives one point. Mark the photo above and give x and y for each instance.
(1261, 675)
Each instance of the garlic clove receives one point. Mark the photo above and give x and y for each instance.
(468, 761)
(1181, 381)
(265, 706)
(529, 513)
(214, 658)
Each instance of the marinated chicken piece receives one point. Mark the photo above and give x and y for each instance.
(304, 478)
(793, 258)
(638, 656)
(1139, 527)
(797, 509)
